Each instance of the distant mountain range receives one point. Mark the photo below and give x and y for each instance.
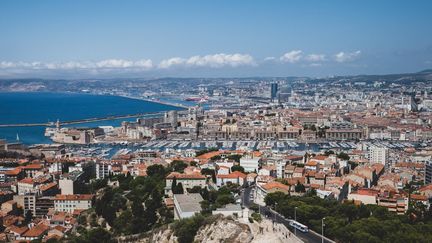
(78, 85)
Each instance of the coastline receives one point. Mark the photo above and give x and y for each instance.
(29, 135)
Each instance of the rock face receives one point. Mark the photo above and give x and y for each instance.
(163, 236)
(224, 230)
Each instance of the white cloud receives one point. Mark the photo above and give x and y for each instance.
(315, 64)
(268, 59)
(347, 56)
(167, 63)
(209, 61)
(315, 57)
(292, 56)
(144, 64)
(120, 63)
(213, 61)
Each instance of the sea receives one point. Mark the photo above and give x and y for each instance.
(41, 107)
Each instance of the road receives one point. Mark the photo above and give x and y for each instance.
(308, 237)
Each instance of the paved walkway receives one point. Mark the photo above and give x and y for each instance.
(266, 232)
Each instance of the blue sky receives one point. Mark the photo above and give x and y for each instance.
(213, 38)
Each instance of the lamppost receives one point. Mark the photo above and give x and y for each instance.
(295, 219)
(322, 230)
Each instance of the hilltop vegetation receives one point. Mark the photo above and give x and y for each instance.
(346, 222)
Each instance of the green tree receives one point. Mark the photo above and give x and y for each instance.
(178, 166)
(300, 187)
(343, 156)
(28, 216)
(237, 168)
(178, 189)
(156, 171)
(272, 198)
(186, 229)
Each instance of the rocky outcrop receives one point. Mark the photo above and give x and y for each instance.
(224, 230)
(220, 230)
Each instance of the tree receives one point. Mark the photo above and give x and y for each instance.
(328, 152)
(186, 229)
(237, 168)
(272, 198)
(174, 184)
(178, 166)
(138, 223)
(215, 158)
(195, 189)
(343, 156)
(122, 223)
(235, 157)
(299, 187)
(205, 207)
(224, 199)
(210, 172)
(28, 216)
(156, 170)
(178, 189)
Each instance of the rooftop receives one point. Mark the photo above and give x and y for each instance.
(189, 202)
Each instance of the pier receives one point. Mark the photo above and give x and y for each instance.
(87, 120)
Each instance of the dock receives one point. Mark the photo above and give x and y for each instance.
(87, 120)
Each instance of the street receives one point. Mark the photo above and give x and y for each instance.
(308, 237)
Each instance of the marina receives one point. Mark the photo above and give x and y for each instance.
(109, 150)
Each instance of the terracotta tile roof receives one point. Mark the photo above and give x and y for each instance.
(269, 167)
(294, 157)
(378, 168)
(185, 176)
(169, 202)
(33, 167)
(295, 180)
(289, 168)
(311, 163)
(27, 180)
(426, 188)
(13, 172)
(315, 186)
(36, 231)
(60, 228)
(17, 230)
(311, 173)
(418, 197)
(320, 157)
(319, 175)
(366, 192)
(257, 153)
(209, 155)
(233, 175)
(275, 185)
(74, 197)
(47, 186)
(299, 170)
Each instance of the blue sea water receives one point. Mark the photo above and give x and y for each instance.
(36, 107)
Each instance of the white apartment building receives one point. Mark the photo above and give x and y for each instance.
(102, 170)
(66, 186)
(68, 203)
(250, 163)
(187, 180)
(378, 155)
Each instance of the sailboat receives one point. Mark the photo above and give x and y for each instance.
(17, 137)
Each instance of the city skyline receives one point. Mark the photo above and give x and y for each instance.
(193, 39)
